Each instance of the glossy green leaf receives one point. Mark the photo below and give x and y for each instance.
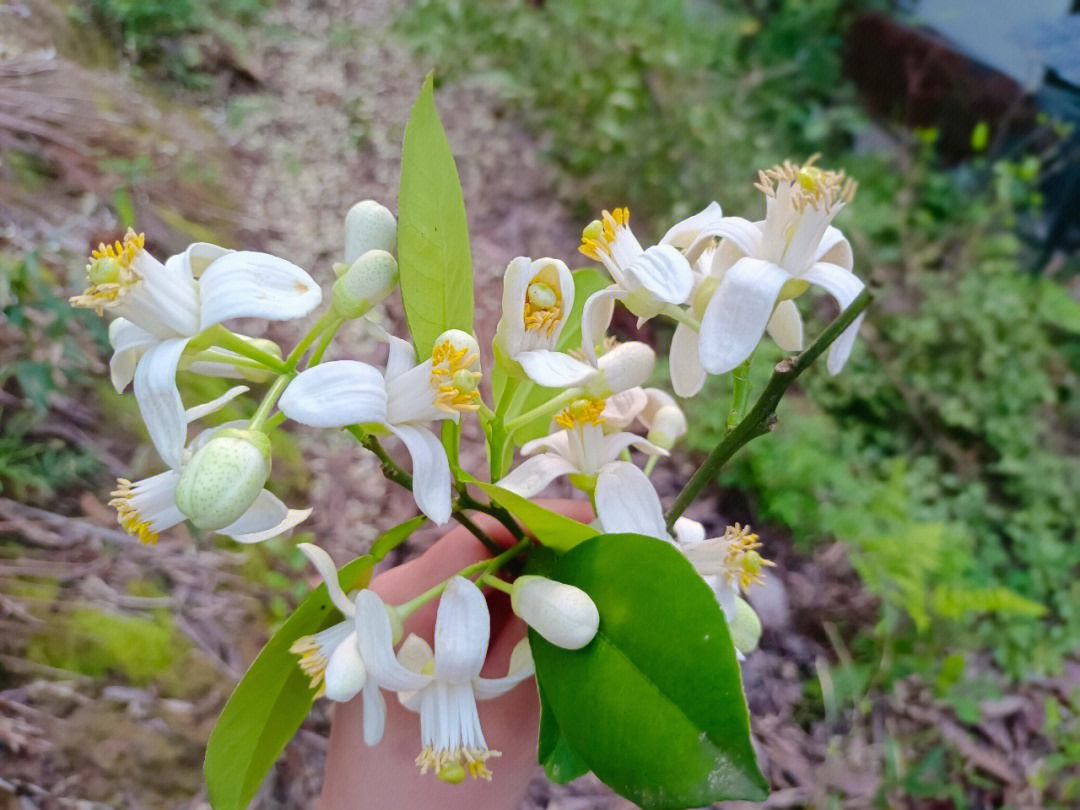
(561, 762)
(654, 704)
(394, 537)
(433, 235)
(550, 528)
(271, 701)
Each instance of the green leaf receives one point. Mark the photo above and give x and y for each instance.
(271, 701)
(433, 236)
(550, 528)
(561, 762)
(1058, 307)
(394, 537)
(654, 704)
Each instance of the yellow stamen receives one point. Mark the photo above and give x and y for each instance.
(598, 236)
(543, 308)
(312, 661)
(581, 412)
(111, 272)
(810, 186)
(128, 516)
(743, 561)
(453, 377)
(451, 766)
(602, 348)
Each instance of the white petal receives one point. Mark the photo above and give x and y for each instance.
(557, 443)
(785, 327)
(267, 517)
(415, 653)
(328, 571)
(129, 341)
(554, 369)
(622, 408)
(664, 272)
(374, 713)
(200, 255)
(684, 362)
(345, 671)
(199, 411)
(745, 235)
(688, 531)
(532, 475)
(627, 502)
(736, 317)
(401, 358)
(410, 397)
(521, 667)
(377, 647)
(430, 471)
(511, 329)
(834, 248)
(462, 629)
(255, 285)
(596, 317)
(617, 442)
(335, 394)
(845, 287)
(159, 400)
(682, 234)
(655, 399)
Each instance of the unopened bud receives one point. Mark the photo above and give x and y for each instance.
(371, 278)
(668, 425)
(626, 366)
(561, 613)
(224, 478)
(369, 226)
(745, 627)
(345, 671)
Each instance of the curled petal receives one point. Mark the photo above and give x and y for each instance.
(345, 671)
(328, 571)
(245, 284)
(736, 317)
(199, 411)
(335, 394)
(834, 248)
(374, 713)
(129, 341)
(534, 474)
(845, 287)
(622, 408)
(377, 647)
(462, 629)
(430, 470)
(617, 442)
(681, 235)
(596, 317)
(785, 327)
(743, 233)
(267, 517)
(200, 255)
(554, 369)
(521, 667)
(159, 400)
(664, 272)
(684, 361)
(627, 502)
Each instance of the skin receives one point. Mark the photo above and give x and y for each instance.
(383, 777)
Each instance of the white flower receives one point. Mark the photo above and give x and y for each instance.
(162, 306)
(647, 281)
(333, 658)
(655, 409)
(536, 301)
(625, 366)
(147, 507)
(760, 266)
(444, 684)
(563, 614)
(625, 499)
(404, 401)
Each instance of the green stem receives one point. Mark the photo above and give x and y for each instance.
(650, 464)
(485, 566)
(325, 320)
(467, 501)
(269, 400)
(496, 583)
(762, 416)
(234, 343)
(681, 315)
(549, 407)
(211, 356)
(740, 392)
(477, 532)
(324, 342)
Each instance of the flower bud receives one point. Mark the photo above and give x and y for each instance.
(371, 278)
(745, 627)
(668, 425)
(561, 613)
(369, 226)
(626, 366)
(224, 478)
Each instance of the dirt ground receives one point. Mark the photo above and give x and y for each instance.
(303, 123)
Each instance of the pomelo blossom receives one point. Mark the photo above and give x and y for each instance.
(404, 400)
(623, 494)
(333, 658)
(655, 409)
(760, 266)
(536, 301)
(148, 507)
(161, 307)
(443, 685)
(621, 367)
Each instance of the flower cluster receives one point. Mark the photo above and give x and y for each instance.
(723, 281)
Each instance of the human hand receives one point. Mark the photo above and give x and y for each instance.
(386, 777)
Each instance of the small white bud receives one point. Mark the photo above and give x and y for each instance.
(668, 425)
(745, 627)
(371, 278)
(460, 339)
(224, 478)
(626, 366)
(369, 226)
(345, 671)
(564, 615)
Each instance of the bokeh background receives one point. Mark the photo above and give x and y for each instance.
(923, 622)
